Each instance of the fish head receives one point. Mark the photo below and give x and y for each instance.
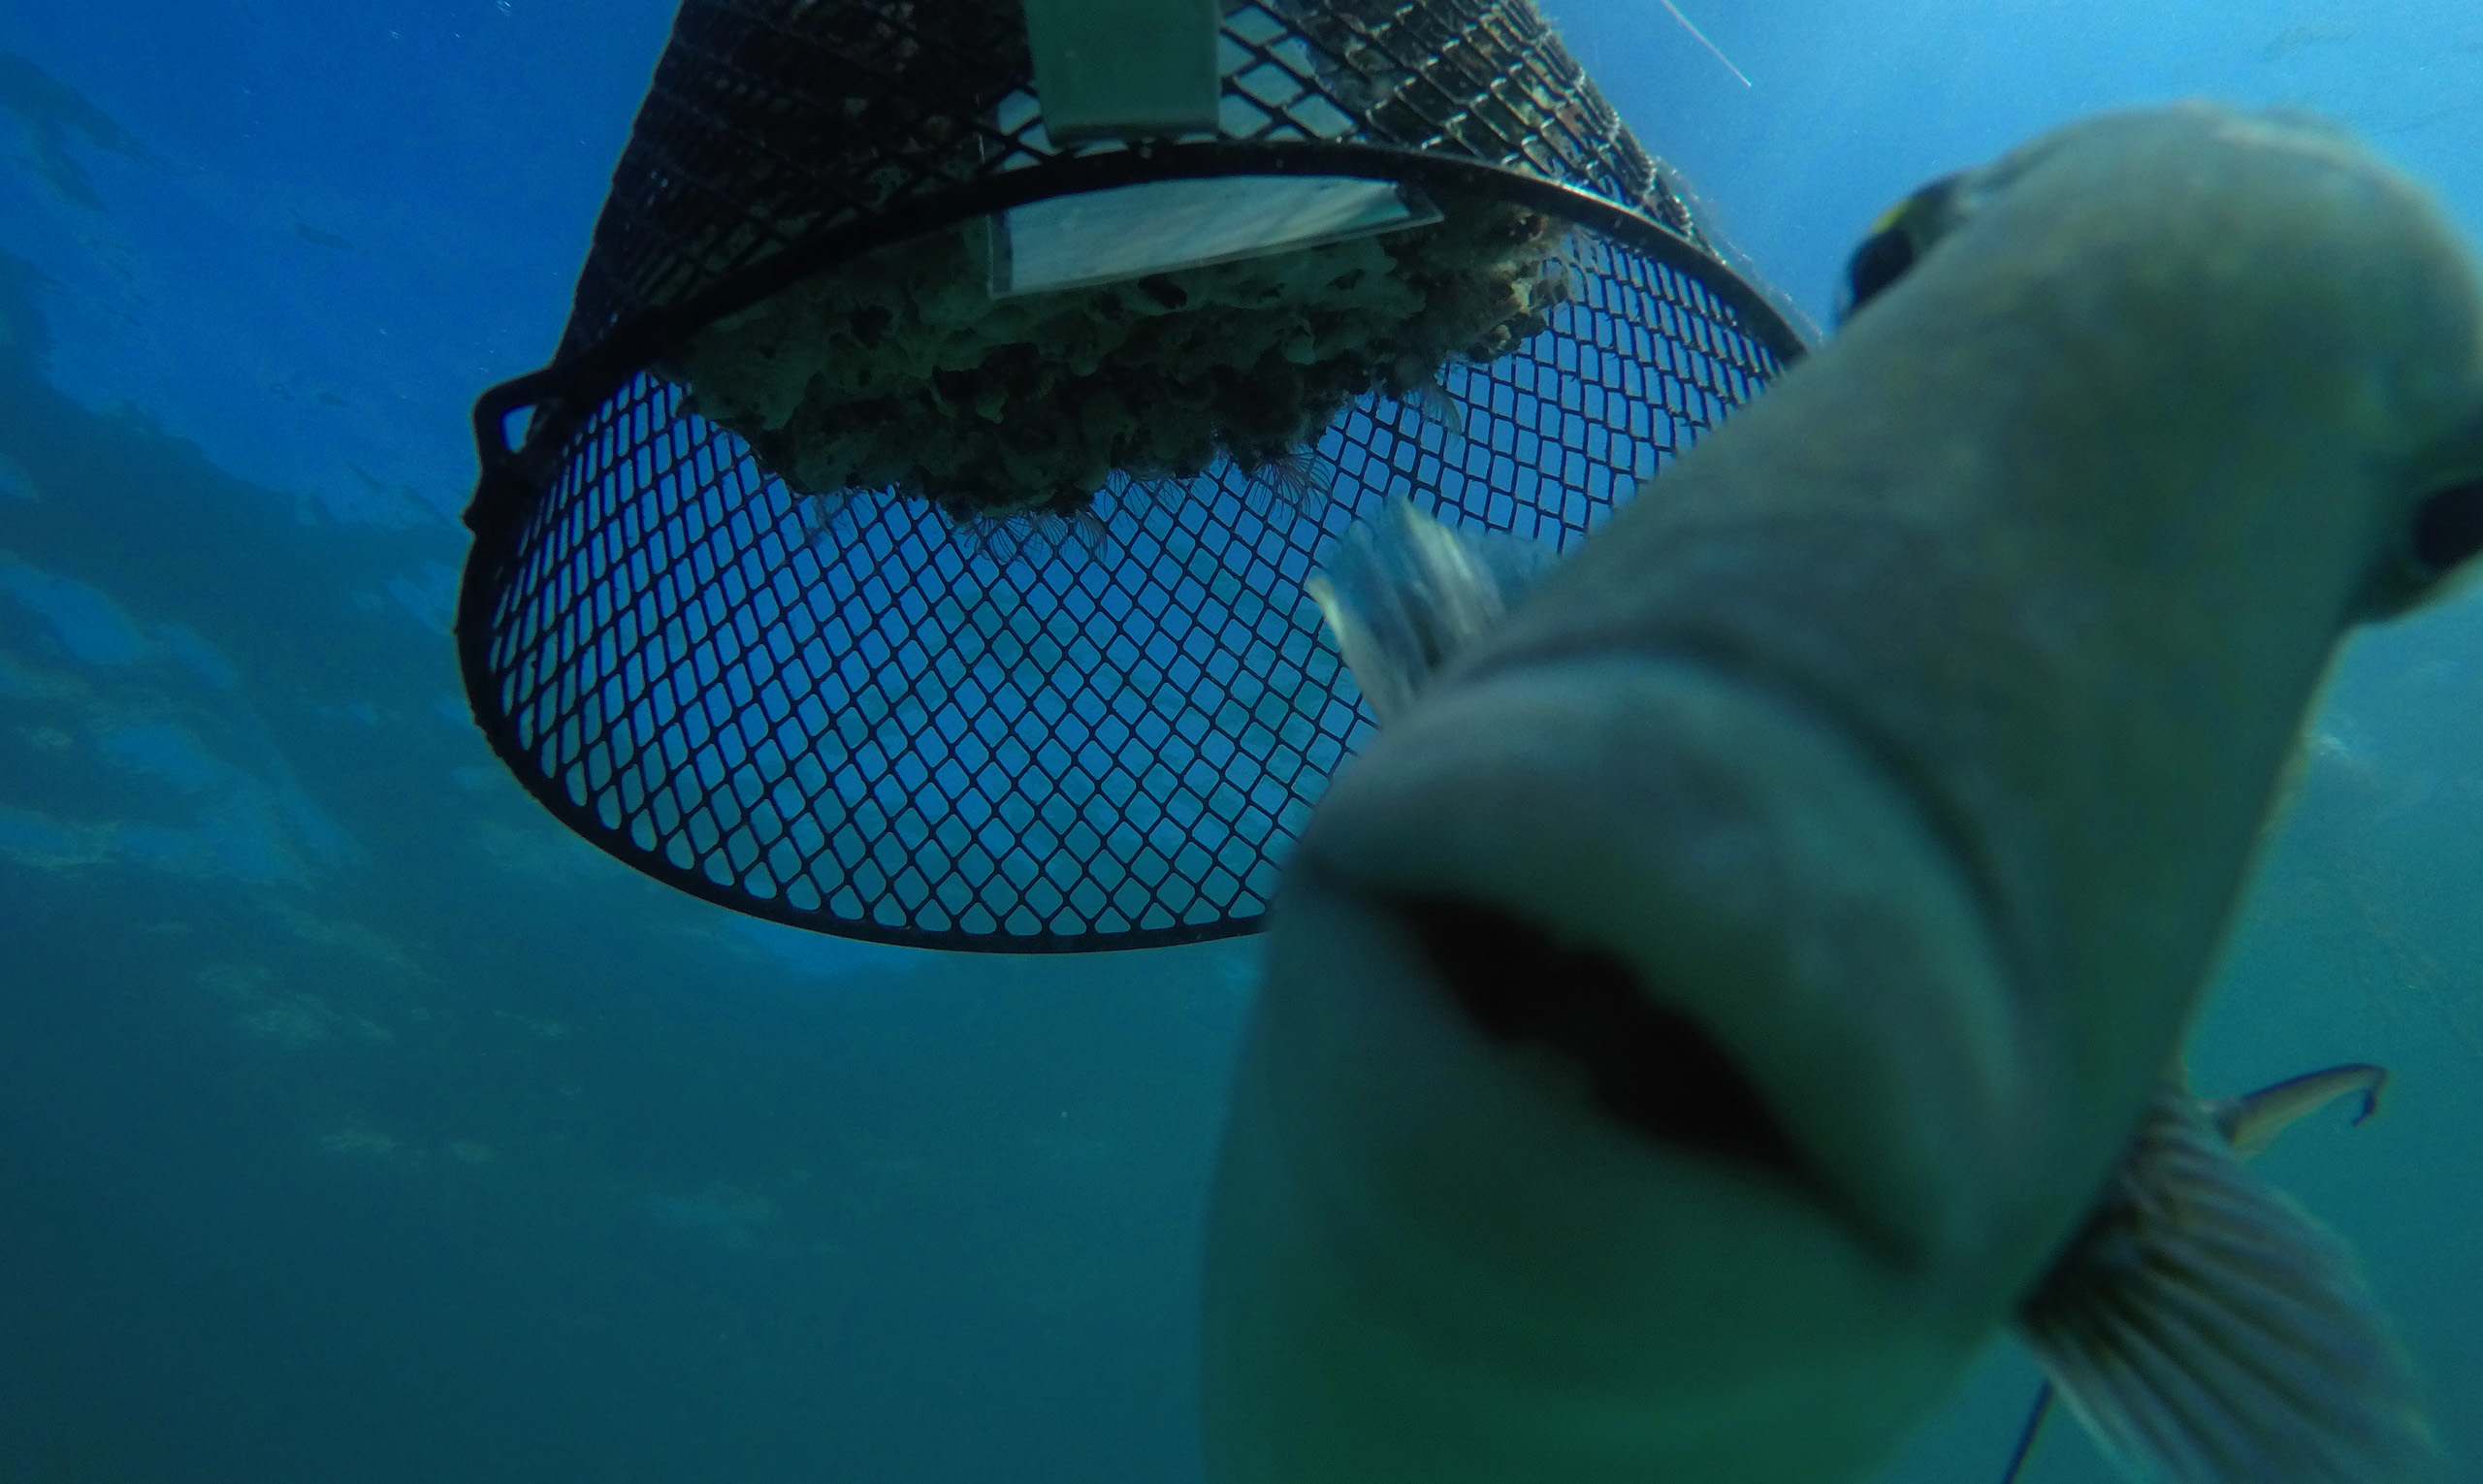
(2205, 230)
(1604, 1130)
(1692, 1025)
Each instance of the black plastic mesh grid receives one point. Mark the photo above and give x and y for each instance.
(842, 713)
(864, 721)
(772, 122)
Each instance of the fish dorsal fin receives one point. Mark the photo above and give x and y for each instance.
(2250, 1121)
(1404, 595)
(2211, 1332)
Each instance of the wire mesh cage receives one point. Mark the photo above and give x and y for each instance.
(908, 539)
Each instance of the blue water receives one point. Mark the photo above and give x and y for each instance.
(358, 1124)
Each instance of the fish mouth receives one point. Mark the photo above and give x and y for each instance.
(1702, 911)
(1644, 1064)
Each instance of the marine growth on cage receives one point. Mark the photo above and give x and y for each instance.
(901, 371)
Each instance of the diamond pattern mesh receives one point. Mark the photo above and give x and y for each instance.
(843, 712)
(770, 122)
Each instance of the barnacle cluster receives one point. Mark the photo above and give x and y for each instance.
(899, 370)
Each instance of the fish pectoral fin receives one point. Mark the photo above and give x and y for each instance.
(1404, 594)
(2208, 1331)
(2249, 1122)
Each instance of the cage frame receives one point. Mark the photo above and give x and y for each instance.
(557, 400)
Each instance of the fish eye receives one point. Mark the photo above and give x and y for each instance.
(1881, 260)
(1896, 240)
(2448, 528)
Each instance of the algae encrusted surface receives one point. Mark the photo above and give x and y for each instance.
(898, 371)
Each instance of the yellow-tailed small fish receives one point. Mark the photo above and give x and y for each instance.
(1747, 969)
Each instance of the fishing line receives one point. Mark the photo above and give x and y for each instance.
(1705, 42)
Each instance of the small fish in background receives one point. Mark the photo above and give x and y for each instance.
(2310, 33)
(319, 238)
(1749, 967)
(2252, 1121)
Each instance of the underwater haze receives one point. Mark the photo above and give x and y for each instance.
(360, 1124)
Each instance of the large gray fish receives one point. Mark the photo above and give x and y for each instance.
(1752, 971)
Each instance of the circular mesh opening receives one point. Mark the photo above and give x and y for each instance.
(845, 711)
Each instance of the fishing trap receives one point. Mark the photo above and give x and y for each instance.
(908, 538)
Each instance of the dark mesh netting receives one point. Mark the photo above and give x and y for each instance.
(1099, 722)
(770, 122)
